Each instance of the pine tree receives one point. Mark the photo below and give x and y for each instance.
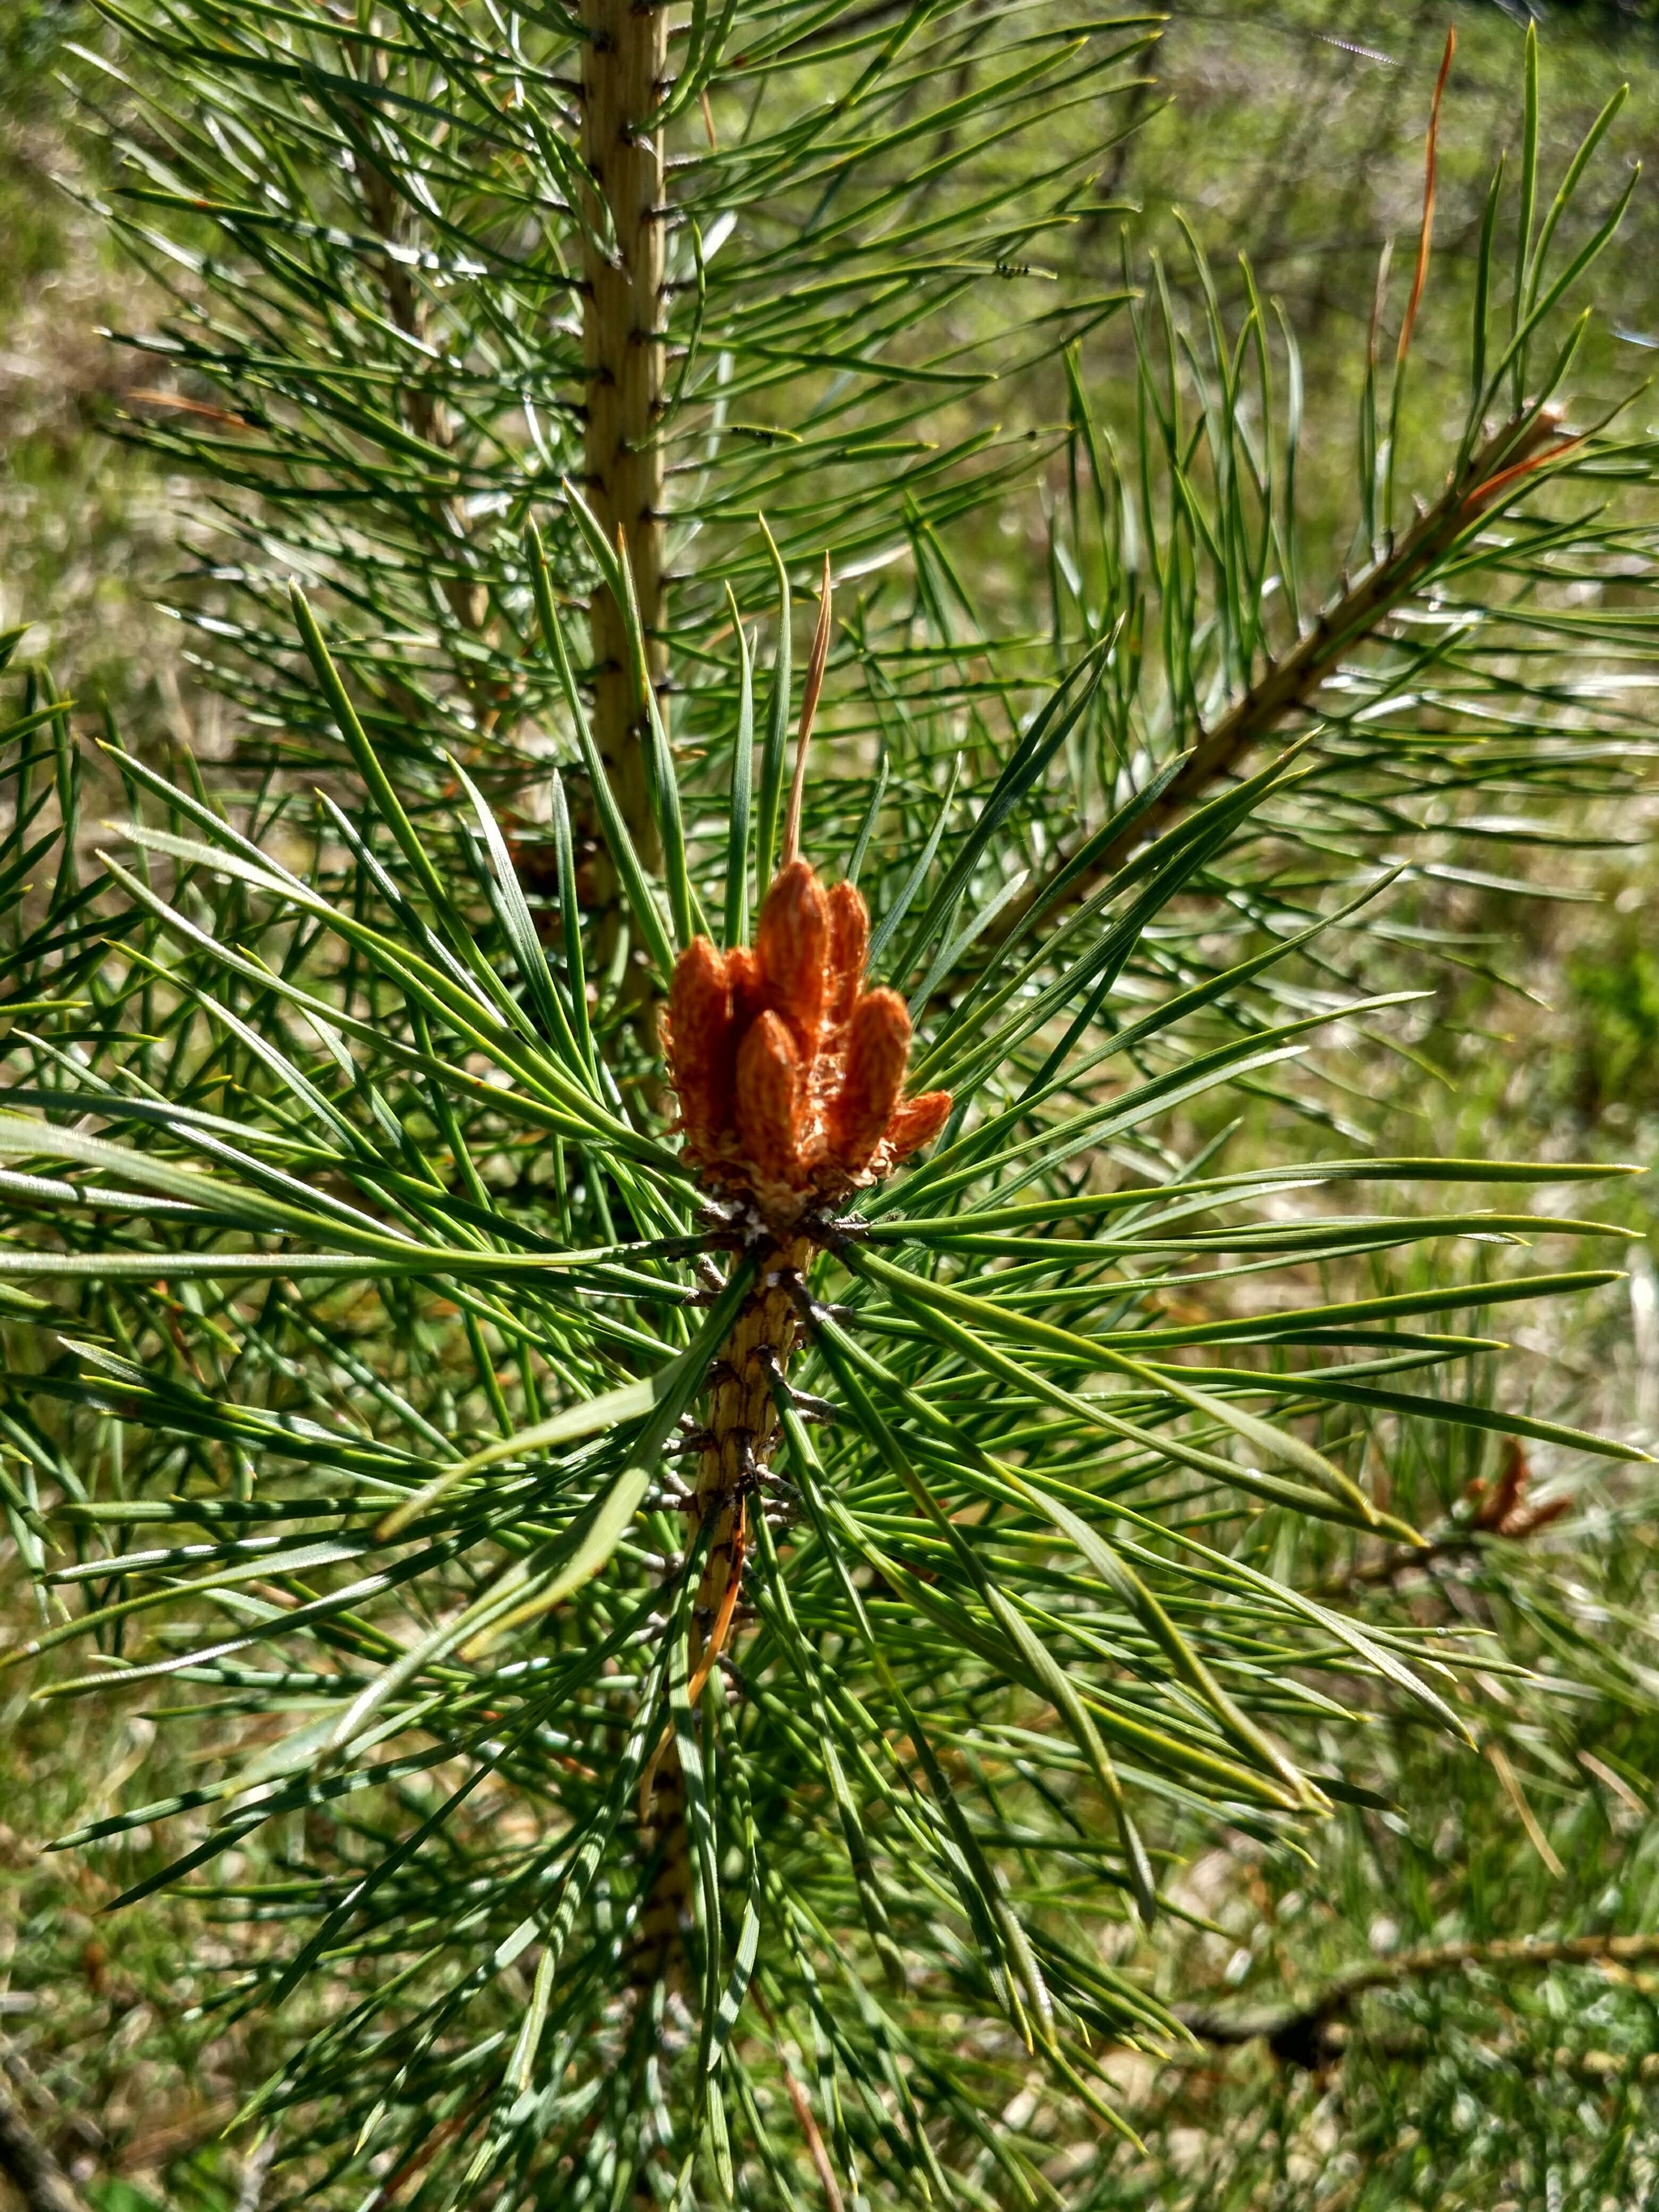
(746, 1561)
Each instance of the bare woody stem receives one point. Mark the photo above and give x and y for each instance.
(1301, 2034)
(624, 66)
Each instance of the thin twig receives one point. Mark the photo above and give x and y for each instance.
(1300, 2034)
(26, 2163)
(424, 2152)
(1491, 1510)
(1518, 1797)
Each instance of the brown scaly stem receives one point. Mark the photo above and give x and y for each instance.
(740, 1434)
(624, 66)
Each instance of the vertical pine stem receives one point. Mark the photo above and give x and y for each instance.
(742, 1433)
(624, 67)
(739, 1440)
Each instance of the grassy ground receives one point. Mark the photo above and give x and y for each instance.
(1294, 131)
(94, 2014)
(86, 527)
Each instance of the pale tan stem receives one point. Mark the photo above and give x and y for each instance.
(624, 65)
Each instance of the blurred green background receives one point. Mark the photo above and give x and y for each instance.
(1291, 131)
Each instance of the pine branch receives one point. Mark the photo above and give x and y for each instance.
(1289, 685)
(397, 244)
(494, 1572)
(387, 1241)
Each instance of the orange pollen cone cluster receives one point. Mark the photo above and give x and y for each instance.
(789, 1073)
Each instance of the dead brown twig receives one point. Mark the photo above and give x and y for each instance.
(26, 2163)
(1304, 2034)
(1499, 1508)
(803, 2113)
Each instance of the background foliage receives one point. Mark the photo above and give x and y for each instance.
(1529, 2083)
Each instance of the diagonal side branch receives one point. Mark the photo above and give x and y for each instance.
(1290, 685)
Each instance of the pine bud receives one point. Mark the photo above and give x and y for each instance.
(917, 1122)
(849, 946)
(877, 1050)
(792, 940)
(768, 1099)
(700, 1038)
(747, 1000)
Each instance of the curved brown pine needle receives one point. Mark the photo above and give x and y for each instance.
(1426, 236)
(809, 707)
